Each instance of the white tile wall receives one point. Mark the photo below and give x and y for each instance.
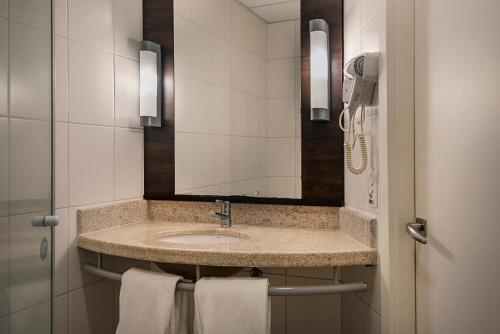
(202, 53)
(127, 27)
(61, 264)
(283, 112)
(309, 314)
(61, 79)
(281, 122)
(281, 78)
(99, 143)
(91, 85)
(357, 317)
(222, 18)
(239, 15)
(222, 110)
(4, 167)
(202, 13)
(203, 160)
(281, 186)
(27, 290)
(61, 311)
(222, 57)
(183, 103)
(281, 42)
(361, 313)
(126, 92)
(99, 33)
(4, 266)
(183, 50)
(99, 318)
(184, 157)
(4, 325)
(4, 8)
(35, 319)
(60, 17)
(222, 88)
(24, 41)
(257, 36)
(29, 180)
(203, 107)
(61, 164)
(129, 167)
(281, 157)
(4, 65)
(183, 7)
(304, 314)
(90, 164)
(31, 12)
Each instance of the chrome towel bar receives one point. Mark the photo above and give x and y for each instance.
(306, 290)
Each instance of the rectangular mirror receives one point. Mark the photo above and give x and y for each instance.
(237, 98)
(236, 102)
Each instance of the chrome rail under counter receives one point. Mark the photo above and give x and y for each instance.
(307, 290)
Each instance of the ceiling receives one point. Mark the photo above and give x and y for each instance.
(274, 10)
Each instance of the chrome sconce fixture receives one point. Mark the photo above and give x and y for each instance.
(150, 84)
(319, 66)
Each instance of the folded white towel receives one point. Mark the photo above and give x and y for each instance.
(232, 306)
(147, 302)
(179, 321)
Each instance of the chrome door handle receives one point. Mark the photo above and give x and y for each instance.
(44, 221)
(418, 230)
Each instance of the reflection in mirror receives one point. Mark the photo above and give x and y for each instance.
(237, 91)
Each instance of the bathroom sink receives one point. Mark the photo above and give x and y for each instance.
(196, 237)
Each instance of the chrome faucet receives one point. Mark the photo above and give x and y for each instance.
(224, 214)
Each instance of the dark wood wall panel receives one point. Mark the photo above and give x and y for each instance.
(159, 154)
(322, 143)
(322, 151)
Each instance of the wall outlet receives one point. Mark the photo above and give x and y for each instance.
(373, 193)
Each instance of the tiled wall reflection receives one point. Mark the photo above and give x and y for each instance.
(237, 109)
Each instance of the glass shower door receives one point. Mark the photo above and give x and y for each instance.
(25, 166)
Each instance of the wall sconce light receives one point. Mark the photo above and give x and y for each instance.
(150, 84)
(319, 67)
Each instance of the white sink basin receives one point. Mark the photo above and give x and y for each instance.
(202, 237)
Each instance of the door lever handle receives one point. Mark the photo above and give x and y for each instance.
(418, 230)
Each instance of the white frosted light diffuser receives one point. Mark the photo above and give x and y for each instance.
(319, 70)
(150, 84)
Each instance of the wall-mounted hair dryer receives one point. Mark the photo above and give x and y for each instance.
(360, 79)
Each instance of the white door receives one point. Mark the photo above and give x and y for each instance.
(457, 68)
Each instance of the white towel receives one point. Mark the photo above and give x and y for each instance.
(179, 323)
(147, 303)
(232, 306)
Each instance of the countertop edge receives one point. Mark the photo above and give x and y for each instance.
(368, 256)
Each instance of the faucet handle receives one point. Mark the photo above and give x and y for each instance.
(225, 212)
(225, 206)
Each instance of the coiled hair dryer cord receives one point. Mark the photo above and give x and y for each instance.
(348, 147)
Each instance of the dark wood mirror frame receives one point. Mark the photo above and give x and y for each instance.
(322, 143)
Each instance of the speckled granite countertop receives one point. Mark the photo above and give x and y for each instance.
(261, 246)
